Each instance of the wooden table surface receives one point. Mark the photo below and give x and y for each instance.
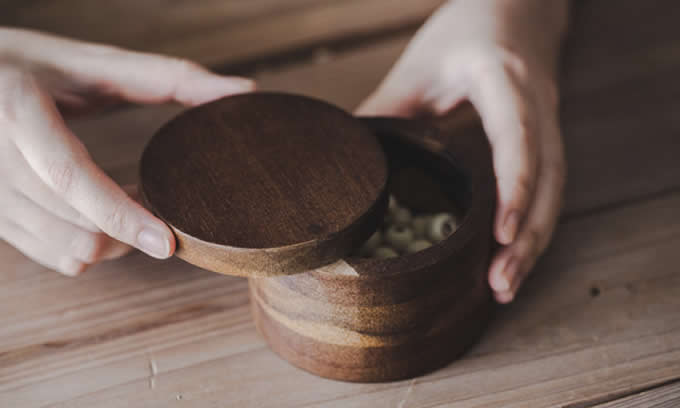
(598, 323)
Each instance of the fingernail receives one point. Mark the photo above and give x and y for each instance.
(510, 227)
(504, 297)
(250, 84)
(70, 267)
(500, 281)
(241, 84)
(154, 243)
(510, 273)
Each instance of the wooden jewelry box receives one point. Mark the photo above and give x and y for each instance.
(284, 189)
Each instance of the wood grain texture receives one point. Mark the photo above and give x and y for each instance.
(371, 320)
(143, 333)
(265, 184)
(667, 396)
(217, 32)
(557, 345)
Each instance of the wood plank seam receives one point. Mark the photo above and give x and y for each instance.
(246, 326)
(622, 396)
(436, 378)
(582, 404)
(617, 205)
(235, 355)
(621, 342)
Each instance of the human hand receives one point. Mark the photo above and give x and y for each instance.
(500, 55)
(57, 206)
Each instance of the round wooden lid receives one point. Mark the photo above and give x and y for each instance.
(265, 184)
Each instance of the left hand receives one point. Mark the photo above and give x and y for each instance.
(501, 56)
(56, 205)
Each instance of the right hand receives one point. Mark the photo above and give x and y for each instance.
(502, 57)
(56, 205)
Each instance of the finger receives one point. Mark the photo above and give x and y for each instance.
(133, 76)
(149, 78)
(24, 180)
(513, 268)
(385, 103)
(503, 297)
(509, 120)
(62, 162)
(394, 97)
(38, 251)
(63, 237)
(514, 262)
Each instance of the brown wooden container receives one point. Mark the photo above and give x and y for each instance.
(321, 308)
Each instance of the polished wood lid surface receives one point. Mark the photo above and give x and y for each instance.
(262, 179)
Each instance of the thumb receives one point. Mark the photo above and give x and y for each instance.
(63, 163)
(396, 96)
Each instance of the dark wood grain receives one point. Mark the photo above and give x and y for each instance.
(373, 320)
(265, 183)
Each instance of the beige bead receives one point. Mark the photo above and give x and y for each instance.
(418, 245)
(419, 225)
(441, 227)
(401, 217)
(384, 253)
(399, 237)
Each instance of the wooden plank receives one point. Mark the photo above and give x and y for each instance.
(141, 332)
(620, 99)
(217, 32)
(667, 396)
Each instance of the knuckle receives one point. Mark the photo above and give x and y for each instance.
(184, 66)
(524, 187)
(514, 65)
(500, 60)
(182, 69)
(61, 176)
(115, 221)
